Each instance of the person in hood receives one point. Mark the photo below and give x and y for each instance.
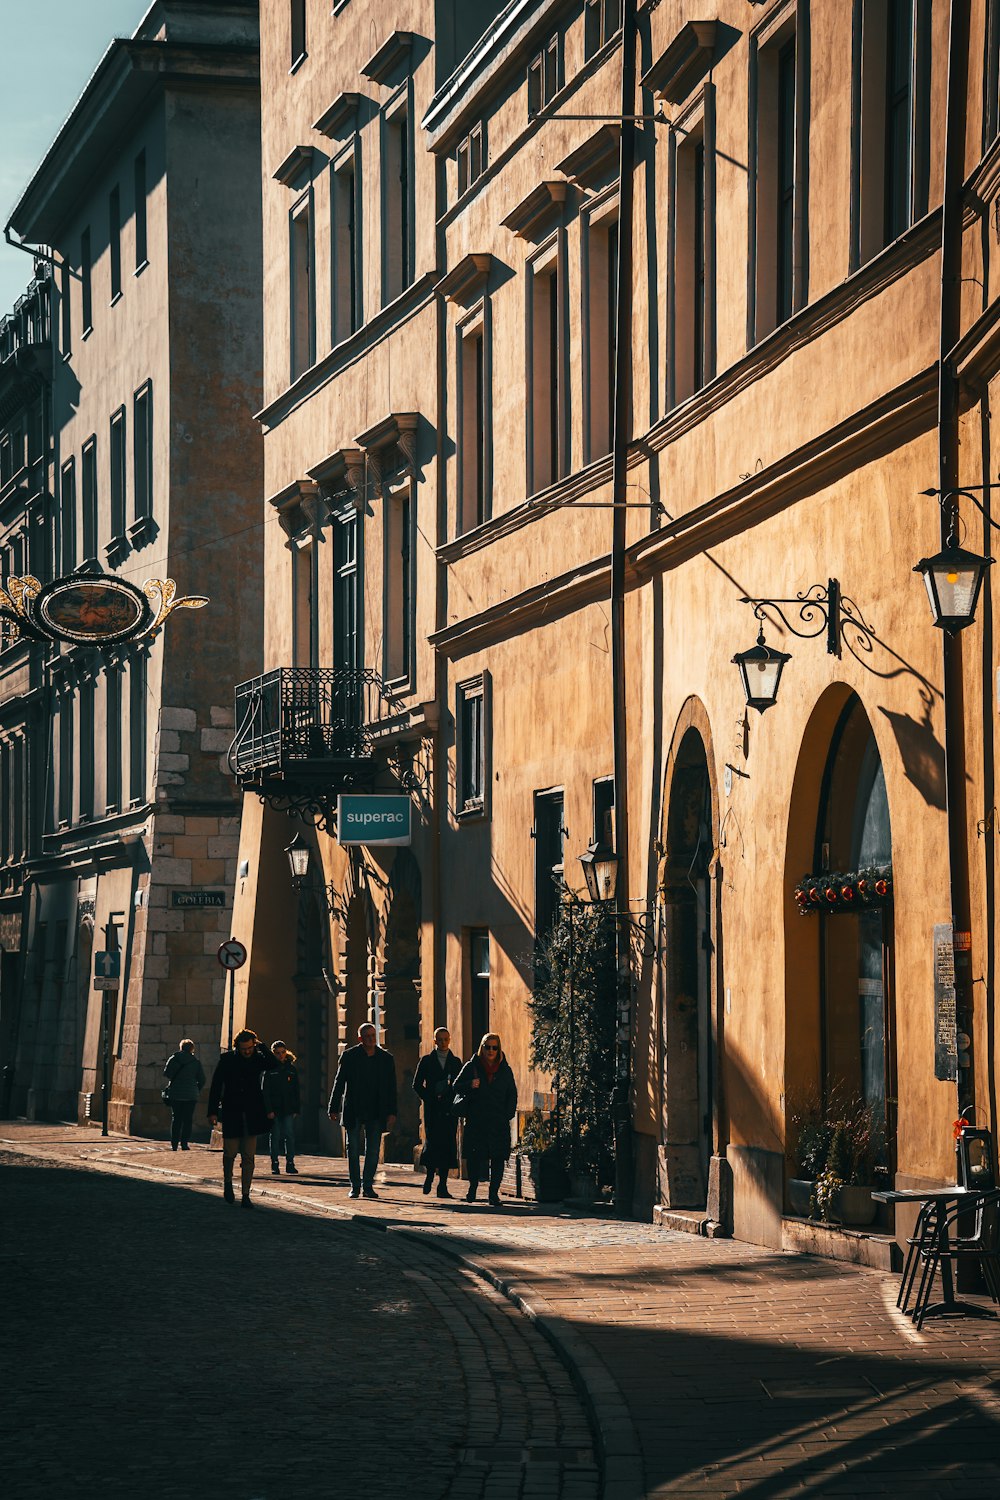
(236, 1095)
(486, 1094)
(281, 1094)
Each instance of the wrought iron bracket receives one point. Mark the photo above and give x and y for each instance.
(819, 609)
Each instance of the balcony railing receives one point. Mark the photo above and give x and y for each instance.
(305, 721)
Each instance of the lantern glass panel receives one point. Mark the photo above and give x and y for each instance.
(956, 586)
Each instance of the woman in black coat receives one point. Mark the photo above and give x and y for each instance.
(486, 1094)
(236, 1095)
(434, 1086)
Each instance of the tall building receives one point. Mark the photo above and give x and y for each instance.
(599, 340)
(26, 467)
(149, 202)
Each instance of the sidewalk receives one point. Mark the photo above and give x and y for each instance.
(711, 1367)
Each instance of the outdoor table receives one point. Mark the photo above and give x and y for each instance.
(941, 1198)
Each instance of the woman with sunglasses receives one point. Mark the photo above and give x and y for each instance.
(486, 1094)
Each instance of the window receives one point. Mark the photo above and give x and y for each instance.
(604, 811)
(473, 415)
(89, 485)
(991, 79)
(479, 985)
(692, 322)
(348, 650)
(64, 804)
(305, 593)
(113, 739)
(471, 717)
(548, 446)
(142, 452)
(778, 177)
(87, 749)
(602, 19)
(397, 204)
(302, 288)
(550, 836)
(139, 179)
(544, 76)
(66, 308)
(137, 727)
(398, 585)
(890, 121)
(86, 289)
(600, 330)
(117, 454)
(297, 19)
(115, 242)
(67, 516)
(471, 158)
(348, 313)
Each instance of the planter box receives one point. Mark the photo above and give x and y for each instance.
(539, 1179)
(799, 1195)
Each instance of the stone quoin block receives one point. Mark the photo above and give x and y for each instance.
(222, 717)
(178, 718)
(214, 740)
(171, 872)
(167, 741)
(173, 763)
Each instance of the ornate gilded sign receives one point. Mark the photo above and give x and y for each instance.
(91, 609)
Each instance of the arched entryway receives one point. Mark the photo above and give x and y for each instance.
(688, 1030)
(839, 999)
(398, 989)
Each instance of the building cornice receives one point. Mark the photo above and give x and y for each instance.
(127, 79)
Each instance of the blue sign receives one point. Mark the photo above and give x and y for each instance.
(107, 970)
(373, 820)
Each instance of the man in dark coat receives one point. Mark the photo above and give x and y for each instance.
(486, 1094)
(365, 1086)
(236, 1095)
(283, 1097)
(434, 1086)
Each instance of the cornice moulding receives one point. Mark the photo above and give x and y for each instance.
(586, 163)
(532, 210)
(294, 166)
(381, 65)
(684, 63)
(343, 111)
(465, 276)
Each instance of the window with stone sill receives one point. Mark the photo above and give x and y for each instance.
(142, 526)
(545, 72)
(602, 18)
(471, 715)
(115, 241)
(297, 32)
(67, 516)
(471, 158)
(86, 284)
(90, 502)
(117, 545)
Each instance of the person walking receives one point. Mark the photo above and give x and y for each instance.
(486, 1094)
(365, 1088)
(186, 1081)
(281, 1094)
(434, 1086)
(236, 1094)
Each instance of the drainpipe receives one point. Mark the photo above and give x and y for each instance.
(621, 1099)
(948, 479)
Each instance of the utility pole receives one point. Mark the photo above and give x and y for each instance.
(621, 1098)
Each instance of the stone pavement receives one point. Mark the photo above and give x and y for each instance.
(710, 1367)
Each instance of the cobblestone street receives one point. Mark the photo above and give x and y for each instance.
(709, 1367)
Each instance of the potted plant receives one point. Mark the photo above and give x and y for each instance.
(842, 1193)
(809, 1152)
(540, 1172)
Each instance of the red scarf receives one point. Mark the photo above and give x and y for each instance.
(491, 1068)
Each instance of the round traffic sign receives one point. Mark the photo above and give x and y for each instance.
(232, 954)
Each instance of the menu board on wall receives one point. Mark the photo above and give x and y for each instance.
(945, 1036)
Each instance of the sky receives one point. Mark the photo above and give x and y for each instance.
(49, 49)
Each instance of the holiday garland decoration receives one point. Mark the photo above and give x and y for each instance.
(840, 891)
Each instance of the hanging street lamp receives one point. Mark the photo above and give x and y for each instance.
(298, 860)
(760, 672)
(600, 871)
(953, 578)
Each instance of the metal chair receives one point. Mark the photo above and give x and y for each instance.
(982, 1246)
(923, 1231)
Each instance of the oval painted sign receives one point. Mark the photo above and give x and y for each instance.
(92, 611)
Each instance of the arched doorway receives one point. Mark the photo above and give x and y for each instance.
(687, 1031)
(398, 990)
(857, 1054)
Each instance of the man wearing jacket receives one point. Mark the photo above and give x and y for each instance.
(365, 1090)
(236, 1095)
